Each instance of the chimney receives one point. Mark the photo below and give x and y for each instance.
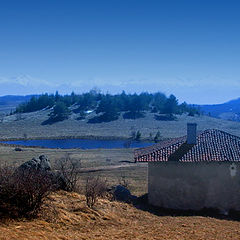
(191, 133)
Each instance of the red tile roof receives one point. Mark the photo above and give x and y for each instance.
(212, 145)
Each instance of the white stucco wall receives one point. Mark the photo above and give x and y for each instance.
(194, 185)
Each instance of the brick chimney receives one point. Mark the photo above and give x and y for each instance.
(191, 133)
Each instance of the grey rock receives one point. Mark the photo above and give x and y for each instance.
(42, 165)
(58, 180)
(121, 193)
(36, 164)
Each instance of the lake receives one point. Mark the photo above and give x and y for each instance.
(80, 143)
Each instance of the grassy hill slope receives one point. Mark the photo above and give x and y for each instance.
(30, 125)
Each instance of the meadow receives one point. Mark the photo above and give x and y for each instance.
(66, 216)
(29, 125)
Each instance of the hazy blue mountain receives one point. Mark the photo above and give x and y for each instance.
(9, 102)
(228, 111)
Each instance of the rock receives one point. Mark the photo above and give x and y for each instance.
(37, 164)
(42, 165)
(18, 149)
(58, 180)
(31, 164)
(121, 193)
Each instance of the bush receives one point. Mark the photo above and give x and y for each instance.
(23, 194)
(135, 135)
(17, 149)
(157, 137)
(133, 115)
(138, 135)
(103, 118)
(95, 188)
(69, 170)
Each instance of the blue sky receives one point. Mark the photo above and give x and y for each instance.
(190, 48)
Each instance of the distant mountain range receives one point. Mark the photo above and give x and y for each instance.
(228, 111)
(9, 102)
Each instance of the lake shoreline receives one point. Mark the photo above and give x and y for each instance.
(80, 143)
(90, 137)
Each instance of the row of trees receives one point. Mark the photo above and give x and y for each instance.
(108, 106)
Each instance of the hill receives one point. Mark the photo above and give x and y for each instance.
(10, 102)
(228, 111)
(31, 125)
(68, 217)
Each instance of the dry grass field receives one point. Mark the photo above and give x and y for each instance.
(30, 126)
(68, 217)
(110, 164)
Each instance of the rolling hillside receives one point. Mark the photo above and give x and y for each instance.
(228, 111)
(31, 125)
(10, 102)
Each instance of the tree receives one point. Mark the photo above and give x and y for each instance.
(138, 136)
(60, 112)
(157, 137)
(109, 108)
(171, 105)
(159, 101)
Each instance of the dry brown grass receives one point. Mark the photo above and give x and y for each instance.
(68, 217)
(89, 158)
(135, 175)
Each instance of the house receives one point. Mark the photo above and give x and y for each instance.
(200, 170)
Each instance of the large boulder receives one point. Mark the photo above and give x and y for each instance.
(42, 163)
(42, 166)
(121, 193)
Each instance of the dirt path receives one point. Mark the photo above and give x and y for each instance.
(106, 168)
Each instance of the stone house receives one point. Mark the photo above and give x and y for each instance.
(200, 170)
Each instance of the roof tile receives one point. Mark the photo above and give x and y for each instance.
(212, 145)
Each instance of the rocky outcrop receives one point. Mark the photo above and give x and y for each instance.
(121, 193)
(42, 166)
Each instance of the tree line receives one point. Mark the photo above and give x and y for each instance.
(107, 106)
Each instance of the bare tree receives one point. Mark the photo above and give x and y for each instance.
(95, 188)
(69, 168)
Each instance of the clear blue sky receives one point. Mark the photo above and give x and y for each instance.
(190, 48)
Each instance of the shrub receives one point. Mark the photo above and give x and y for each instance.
(17, 149)
(95, 188)
(135, 135)
(69, 169)
(157, 137)
(138, 136)
(23, 194)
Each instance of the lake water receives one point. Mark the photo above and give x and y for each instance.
(79, 143)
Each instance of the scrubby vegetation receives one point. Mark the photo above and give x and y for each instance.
(107, 107)
(23, 194)
(95, 187)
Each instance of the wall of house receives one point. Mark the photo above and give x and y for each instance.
(194, 185)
